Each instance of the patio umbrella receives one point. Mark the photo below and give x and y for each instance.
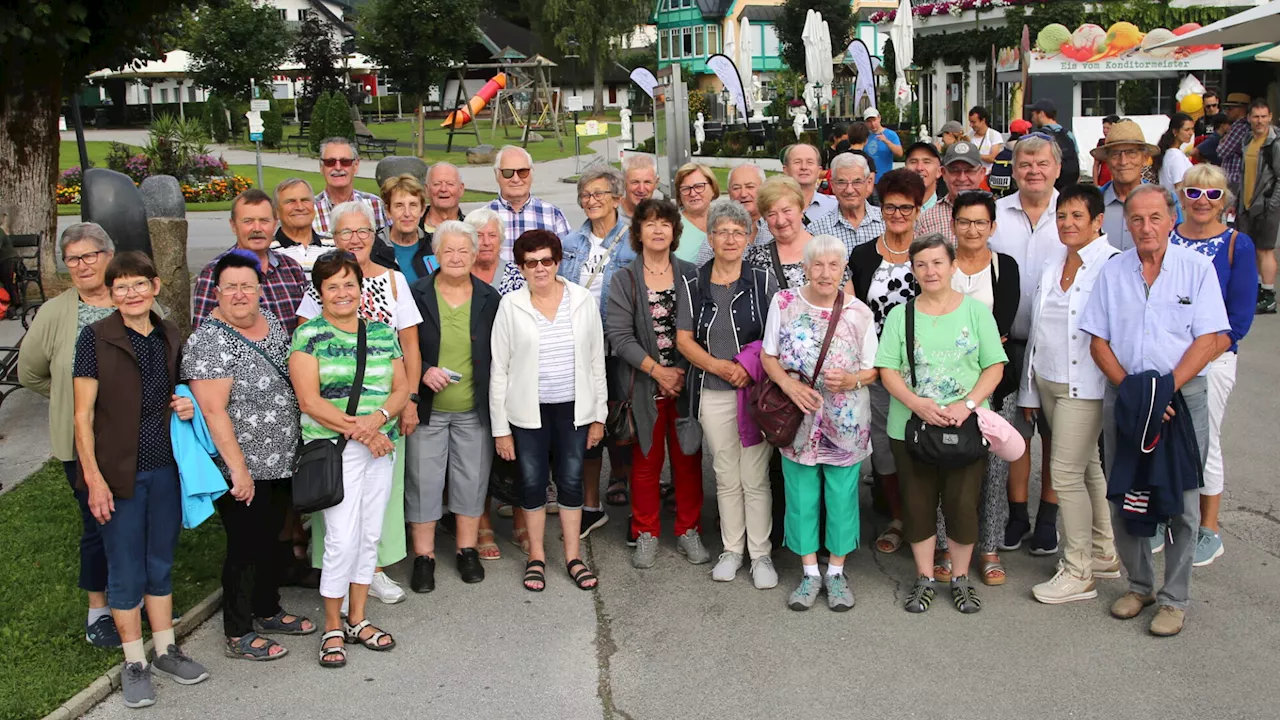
(812, 58)
(730, 43)
(1259, 24)
(903, 35)
(826, 68)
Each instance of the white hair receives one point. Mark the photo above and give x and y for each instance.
(480, 217)
(497, 159)
(822, 246)
(445, 165)
(355, 153)
(750, 166)
(638, 161)
(846, 161)
(85, 232)
(454, 227)
(1033, 145)
(352, 206)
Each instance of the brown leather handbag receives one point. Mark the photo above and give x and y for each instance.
(778, 417)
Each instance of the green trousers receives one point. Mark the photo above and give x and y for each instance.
(808, 488)
(391, 546)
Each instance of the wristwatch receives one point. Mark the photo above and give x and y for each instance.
(970, 405)
(385, 414)
(415, 398)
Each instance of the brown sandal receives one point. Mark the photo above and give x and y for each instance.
(487, 547)
(993, 572)
(942, 566)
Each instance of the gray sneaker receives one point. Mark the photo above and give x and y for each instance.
(839, 592)
(803, 597)
(690, 545)
(727, 566)
(178, 667)
(135, 685)
(646, 552)
(763, 574)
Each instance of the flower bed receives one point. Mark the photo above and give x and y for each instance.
(210, 181)
(215, 189)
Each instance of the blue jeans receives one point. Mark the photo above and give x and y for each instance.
(93, 559)
(140, 539)
(557, 439)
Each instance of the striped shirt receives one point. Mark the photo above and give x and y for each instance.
(555, 355)
(324, 206)
(535, 215)
(871, 227)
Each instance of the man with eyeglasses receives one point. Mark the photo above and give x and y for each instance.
(253, 220)
(339, 163)
(744, 182)
(803, 163)
(296, 237)
(520, 210)
(962, 169)
(1126, 152)
(641, 177)
(855, 221)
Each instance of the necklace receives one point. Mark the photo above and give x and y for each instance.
(658, 272)
(887, 249)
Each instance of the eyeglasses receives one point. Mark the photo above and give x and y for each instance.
(344, 162)
(845, 184)
(903, 210)
(533, 263)
(250, 289)
(694, 189)
(1194, 193)
(734, 234)
(90, 258)
(141, 287)
(508, 172)
(963, 224)
(362, 233)
(596, 196)
(1037, 134)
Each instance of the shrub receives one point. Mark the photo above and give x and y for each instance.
(319, 119)
(117, 155)
(215, 120)
(272, 129)
(338, 118)
(71, 176)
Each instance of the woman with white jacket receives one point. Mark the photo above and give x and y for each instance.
(1062, 379)
(547, 395)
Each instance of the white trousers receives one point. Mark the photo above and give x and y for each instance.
(1222, 378)
(353, 526)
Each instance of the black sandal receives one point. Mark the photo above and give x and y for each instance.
(616, 494)
(534, 572)
(583, 576)
(242, 648)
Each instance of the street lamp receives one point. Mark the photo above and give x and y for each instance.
(724, 101)
(573, 55)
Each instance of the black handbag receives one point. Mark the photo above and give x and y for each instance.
(946, 447)
(620, 423)
(317, 472)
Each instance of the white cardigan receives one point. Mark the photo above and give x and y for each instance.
(513, 383)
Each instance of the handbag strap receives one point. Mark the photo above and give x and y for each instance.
(911, 339)
(357, 385)
(777, 266)
(252, 346)
(831, 332)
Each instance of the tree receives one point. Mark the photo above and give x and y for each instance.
(840, 21)
(594, 35)
(319, 120)
(47, 47)
(415, 42)
(234, 46)
(337, 121)
(315, 50)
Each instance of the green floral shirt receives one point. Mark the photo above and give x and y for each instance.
(335, 350)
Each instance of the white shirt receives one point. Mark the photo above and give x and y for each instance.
(377, 301)
(820, 207)
(555, 355)
(305, 255)
(985, 142)
(1175, 165)
(980, 286)
(1029, 246)
(1051, 345)
(593, 267)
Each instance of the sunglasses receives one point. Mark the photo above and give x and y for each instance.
(545, 262)
(344, 162)
(508, 172)
(1194, 193)
(334, 255)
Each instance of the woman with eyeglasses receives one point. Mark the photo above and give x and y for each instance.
(781, 204)
(696, 188)
(385, 298)
(883, 279)
(1205, 198)
(1172, 163)
(236, 363)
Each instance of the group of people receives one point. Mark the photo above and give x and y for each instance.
(461, 360)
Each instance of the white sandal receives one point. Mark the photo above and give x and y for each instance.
(371, 642)
(339, 650)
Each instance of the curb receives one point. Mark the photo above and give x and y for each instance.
(109, 682)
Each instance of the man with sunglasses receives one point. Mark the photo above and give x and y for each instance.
(1212, 106)
(339, 163)
(520, 210)
(963, 170)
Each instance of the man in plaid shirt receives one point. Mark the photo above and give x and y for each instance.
(963, 170)
(521, 211)
(1231, 148)
(253, 220)
(339, 163)
(854, 221)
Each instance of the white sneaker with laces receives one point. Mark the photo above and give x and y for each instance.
(386, 589)
(727, 566)
(1064, 587)
(763, 574)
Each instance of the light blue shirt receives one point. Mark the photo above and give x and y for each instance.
(1152, 330)
(1113, 224)
(821, 206)
(881, 152)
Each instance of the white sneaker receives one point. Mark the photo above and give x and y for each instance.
(1064, 587)
(727, 566)
(763, 574)
(386, 589)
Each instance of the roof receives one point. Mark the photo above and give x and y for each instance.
(762, 13)
(328, 15)
(498, 35)
(714, 8)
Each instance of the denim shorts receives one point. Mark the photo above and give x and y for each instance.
(536, 449)
(141, 537)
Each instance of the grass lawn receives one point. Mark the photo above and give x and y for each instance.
(47, 659)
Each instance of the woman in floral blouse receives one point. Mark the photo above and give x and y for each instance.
(640, 326)
(821, 465)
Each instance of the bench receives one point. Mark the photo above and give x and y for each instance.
(29, 266)
(9, 370)
(299, 143)
(370, 145)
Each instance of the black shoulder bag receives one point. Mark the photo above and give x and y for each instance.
(946, 447)
(620, 423)
(317, 472)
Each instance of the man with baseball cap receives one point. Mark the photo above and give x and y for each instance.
(1231, 147)
(962, 169)
(1125, 152)
(1000, 176)
(924, 160)
(1044, 115)
(884, 145)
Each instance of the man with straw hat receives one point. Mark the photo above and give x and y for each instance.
(1231, 147)
(1126, 152)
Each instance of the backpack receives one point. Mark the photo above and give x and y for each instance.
(1001, 176)
(1070, 174)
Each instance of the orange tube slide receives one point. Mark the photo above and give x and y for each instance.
(464, 115)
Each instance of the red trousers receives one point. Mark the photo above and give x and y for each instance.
(646, 470)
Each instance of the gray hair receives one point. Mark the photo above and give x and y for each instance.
(1031, 145)
(750, 166)
(725, 210)
(351, 206)
(639, 161)
(85, 232)
(786, 152)
(602, 172)
(355, 153)
(497, 158)
(445, 165)
(454, 227)
(929, 242)
(288, 183)
(480, 217)
(1146, 189)
(847, 161)
(821, 246)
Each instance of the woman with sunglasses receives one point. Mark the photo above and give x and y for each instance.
(1205, 198)
(696, 188)
(385, 298)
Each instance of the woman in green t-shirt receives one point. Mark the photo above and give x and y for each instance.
(959, 362)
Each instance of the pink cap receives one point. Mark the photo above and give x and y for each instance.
(1005, 440)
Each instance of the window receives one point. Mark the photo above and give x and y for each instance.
(713, 39)
(687, 42)
(191, 93)
(699, 42)
(1098, 98)
(662, 44)
(926, 100)
(146, 94)
(164, 95)
(284, 14)
(303, 15)
(770, 44)
(983, 96)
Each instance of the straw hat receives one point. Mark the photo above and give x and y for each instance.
(1125, 132)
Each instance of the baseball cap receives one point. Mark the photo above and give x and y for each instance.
(870, 113)
(951, 126)
(1020, 126)
(928, 146)
(963, 151)
(1044, 105)
(1238, 99)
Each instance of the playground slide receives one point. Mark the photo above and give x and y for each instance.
(464, 115)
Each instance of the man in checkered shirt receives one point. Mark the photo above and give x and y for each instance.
(1231, 147)
(339, 163)
(854, 221)
(520, 210)
(963, 170)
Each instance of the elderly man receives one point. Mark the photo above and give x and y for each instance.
(883, 146)
(744, 182)
(924, 160)
(1026, 230)
(963, 171)
(444, 190)
(339, 163)
(1125, 152)
(1231, 147)
(1044, 114)
(1258, 209)
(803, 163)
(253, 219)
(1156, 307)
(519, 209)
(640, 176)
(296, 238)
(855, 222)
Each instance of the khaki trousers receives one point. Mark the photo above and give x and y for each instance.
(742, 477)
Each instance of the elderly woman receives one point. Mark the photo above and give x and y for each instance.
(1062, 379)
(547, 397)
(696, 188)
(385, 298)
(958, 361)
(458, 310)
(404, 245)
(324, 365)
(489, 266)
(781, 204)
(641, 328)
(1204, 197)
(128, 470)
(821, 465)
(719, 312)
(883, 279)
(235, 364)
(44, 365)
